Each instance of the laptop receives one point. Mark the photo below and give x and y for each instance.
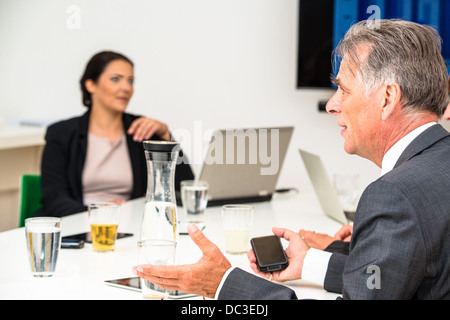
(322, 186)
(243, 165)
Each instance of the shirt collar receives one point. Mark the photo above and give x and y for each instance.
(393, 154)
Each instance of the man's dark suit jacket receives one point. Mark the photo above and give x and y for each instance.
(400, 246)
(63, 161)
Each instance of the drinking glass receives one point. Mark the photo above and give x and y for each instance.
(237, 222)
(157, 253)
(194, 196)
(104, 220)
(346, 187)
(43, 236)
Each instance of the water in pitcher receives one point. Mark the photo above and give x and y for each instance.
(160, 221)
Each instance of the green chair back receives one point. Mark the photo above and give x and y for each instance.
(30, 197)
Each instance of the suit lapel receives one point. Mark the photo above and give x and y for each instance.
(422, 142)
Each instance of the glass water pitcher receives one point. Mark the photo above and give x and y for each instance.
(160, 221)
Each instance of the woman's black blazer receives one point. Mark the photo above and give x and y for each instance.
(63, 161)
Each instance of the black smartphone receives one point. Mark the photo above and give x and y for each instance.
(77, 241)
(71, 243)
(86, 236)
(269, 253)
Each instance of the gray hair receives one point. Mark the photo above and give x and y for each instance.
(401, 52)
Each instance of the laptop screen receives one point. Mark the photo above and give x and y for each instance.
(245, 163)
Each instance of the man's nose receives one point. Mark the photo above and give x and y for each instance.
(333, 105)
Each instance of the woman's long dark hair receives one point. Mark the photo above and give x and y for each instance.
(94, 69)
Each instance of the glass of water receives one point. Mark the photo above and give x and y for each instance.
(156, 253)
(194, 195)
(346, 187)
(43, 236)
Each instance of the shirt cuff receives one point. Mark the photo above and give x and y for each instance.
(315, 266)
(216, 296)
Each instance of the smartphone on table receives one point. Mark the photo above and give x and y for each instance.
(77, 241)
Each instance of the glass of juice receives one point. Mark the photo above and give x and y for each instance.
(104, 220)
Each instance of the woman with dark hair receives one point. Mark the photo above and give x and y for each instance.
(99, 155)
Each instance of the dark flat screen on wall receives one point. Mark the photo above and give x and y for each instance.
(315, 43)
(323, 23)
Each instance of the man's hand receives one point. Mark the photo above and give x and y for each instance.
(321, 241)
(144, 128)
(345, 233)
(201, 278)
(295, 252)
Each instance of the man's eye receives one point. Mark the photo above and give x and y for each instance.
(115, 79)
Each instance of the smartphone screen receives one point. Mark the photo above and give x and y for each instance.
(269, 253)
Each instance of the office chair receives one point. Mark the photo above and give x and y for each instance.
(30, 196)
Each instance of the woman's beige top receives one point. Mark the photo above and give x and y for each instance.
(107, 173)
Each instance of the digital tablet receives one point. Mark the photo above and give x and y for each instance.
(134, 284)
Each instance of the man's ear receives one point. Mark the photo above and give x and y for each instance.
(392, 100)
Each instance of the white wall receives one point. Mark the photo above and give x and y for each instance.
(227, 63)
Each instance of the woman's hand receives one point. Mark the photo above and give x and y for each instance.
(144, 128)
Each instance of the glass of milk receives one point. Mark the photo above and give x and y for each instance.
(237, 221)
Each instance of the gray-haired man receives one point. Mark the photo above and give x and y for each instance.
(392, 86)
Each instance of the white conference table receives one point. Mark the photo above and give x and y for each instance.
(80, 273)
